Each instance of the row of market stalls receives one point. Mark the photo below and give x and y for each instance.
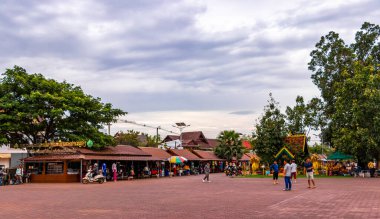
(69, 164)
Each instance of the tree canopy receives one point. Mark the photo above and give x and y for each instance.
(34, 109)
(135, 138)
(230, 145)
(349, 81)
(270, 131)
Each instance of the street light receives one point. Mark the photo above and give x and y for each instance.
(181, 126)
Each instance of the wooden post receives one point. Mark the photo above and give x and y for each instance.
(44, 168)
(81, 170)
(65, 167)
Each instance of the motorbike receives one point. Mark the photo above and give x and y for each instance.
(89, 179)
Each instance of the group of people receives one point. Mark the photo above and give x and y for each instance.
(290, 173)
(7, 178)
(95, 170)
(233, 170)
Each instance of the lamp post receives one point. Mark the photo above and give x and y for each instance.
(181, 126)
(263, 167)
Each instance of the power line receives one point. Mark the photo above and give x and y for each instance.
(145, 125)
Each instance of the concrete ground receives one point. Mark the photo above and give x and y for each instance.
(188, 197)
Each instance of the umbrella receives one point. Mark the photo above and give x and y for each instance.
(176, 159)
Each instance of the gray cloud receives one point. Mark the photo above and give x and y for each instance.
(151, 56)
(243, 112)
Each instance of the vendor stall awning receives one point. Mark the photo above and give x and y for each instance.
(117, 150)
(121, 158)
(56, 157)
(340, 156)
(186, 154)
(158, 153)
(208, 155)
(245, 158)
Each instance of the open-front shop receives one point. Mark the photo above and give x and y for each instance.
(54, 168)
(192, 165)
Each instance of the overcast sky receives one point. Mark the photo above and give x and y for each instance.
(210, 64)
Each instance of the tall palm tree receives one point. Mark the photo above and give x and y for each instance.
(230, 145)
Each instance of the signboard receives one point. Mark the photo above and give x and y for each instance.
(56, 144)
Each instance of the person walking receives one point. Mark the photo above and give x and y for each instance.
(294, 171)
(287, 175)
(274, 168)
(308, 170)
(114, 170)
(207, 173)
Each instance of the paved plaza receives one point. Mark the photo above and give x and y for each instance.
(188, 197)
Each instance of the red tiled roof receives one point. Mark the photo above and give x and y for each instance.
(156, 152)
(89, 157)
(117, 150)
(120, 158)
(55, 157)
(245, 158)
(192, 135)
(185, 153)
(171, 138)
(213, 142)
(207, 155)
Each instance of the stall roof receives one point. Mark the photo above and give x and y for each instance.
(55, 157)
(245, 158)
(186, 154)
(117, 150)
(157, 153)
(207, 155)
(120, 158)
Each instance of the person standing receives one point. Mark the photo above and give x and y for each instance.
(1, 176)
(114, 170)
(104, 171)
(19, 175)
(207, 173)
(274, 168)
(294, 171)
(371, 167)
(287, 175)
(308, 170)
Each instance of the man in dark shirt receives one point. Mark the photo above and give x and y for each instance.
(309, 173)
(274, 168)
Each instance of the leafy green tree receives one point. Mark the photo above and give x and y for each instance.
(131, 137)
(347, 76)
(152, 140)
(317, 149)
(357, 118)
(35, 109)
(270, 131)
(230, 145)
(298, 118)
